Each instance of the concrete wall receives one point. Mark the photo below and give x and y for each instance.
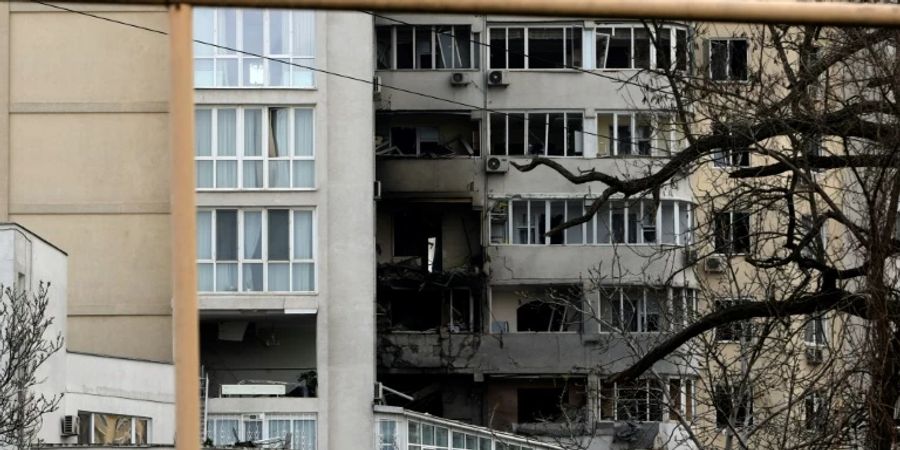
(121, 386)
(85, 134)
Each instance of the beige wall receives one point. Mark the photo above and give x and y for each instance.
(85, 105)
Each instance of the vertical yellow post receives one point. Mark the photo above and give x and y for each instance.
(184, 245)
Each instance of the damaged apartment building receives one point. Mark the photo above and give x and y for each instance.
(481, 317)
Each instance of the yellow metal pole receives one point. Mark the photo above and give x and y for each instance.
(184, 246)
(751, 11)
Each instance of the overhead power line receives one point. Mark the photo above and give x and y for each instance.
(510, 115)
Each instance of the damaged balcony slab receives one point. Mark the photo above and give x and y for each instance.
(438, 179)
(248, 405)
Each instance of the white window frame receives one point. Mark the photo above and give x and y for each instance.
(673, 44)
(568, 29)
(728, 76)
(527, 123)
(422, 446)
(264, 241)
(220, 55)
(474, 47)
(822, 320)
(687, 393)
(133, 420)
(663, 407)
(688, 298)
(590, 228)
(240, 158)
(656, 121)
(264, 418)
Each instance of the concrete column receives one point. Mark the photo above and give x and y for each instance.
(5, 158)
(350, 302)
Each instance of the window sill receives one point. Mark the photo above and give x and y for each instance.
(257, 88)
(471, 70)
(262, 190)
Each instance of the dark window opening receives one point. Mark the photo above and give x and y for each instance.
(546, 48)
(404, 47)
(540, 404)
(550, 309)
(412, 310)
(733, 407)
(418, 234)
(733, 331)
(732, 232)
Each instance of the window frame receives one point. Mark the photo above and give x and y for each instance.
(591, 228)
(474, 47)
(242, 260)
(264, 418)
(686, 403)
(240, 158)
(686, 297)
(652, 34)
(747, 406)
(611, 136)
(728, 50)
(816, 327)
(728, 247)
(568, 30)
(219, 54)
(526, 128)
(132, 419)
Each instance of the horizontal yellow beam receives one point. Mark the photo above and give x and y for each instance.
(750, 11)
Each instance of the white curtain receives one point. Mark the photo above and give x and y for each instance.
(203, 136)
(304, 277)
(304, 173)
(279, 30)
(304, 435)
(304, 39)
(303, 132)
(252, 132)
(279, 173)
(253, 235)
(226, 173)
(279, 277)
(253, 174)
(204, 174)
(303, 235)
(226, 277)
(204, 235)
(226, 124)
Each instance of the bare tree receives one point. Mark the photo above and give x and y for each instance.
(26, 343)
(801, 141)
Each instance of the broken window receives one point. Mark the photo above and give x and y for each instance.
(816, 411)
(298, 431)
(548, 134)
(461, 311)
(728, 59)
(263, 265)
(550, 309)
(291, 38)
(418, 233)
(540, 404)
(632, 309)
(639, 400)
(413, 310)
(629, 46)
(814, 331)
(112, 429)
(530, 219)
(549, 47)
(684, 307)
(426, 47)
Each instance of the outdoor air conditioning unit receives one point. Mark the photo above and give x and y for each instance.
(459, 79)
(714, 264)
(498, 78)
(814, 355)
(69, 426)
(496, 164)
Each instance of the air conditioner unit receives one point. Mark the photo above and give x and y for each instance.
(69, 426)
(498, 78)
(376, 85)
(714, 264)
(814, 355)
(459, 79)
(496, 164)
